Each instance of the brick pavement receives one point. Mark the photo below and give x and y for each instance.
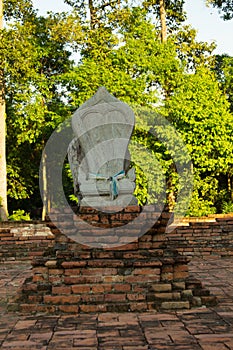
(197, 329)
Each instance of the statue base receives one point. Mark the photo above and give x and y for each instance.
(143, 275)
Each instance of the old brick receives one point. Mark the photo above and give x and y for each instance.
(56, 272)
(168, 296)
(167, 269)
(83, 279)
(173, 305)
(61, 299)
(61, 290)
(69, 309)
(146, 271)
(135, 297)
(113, 279)
(122, 287)
(167, 276)
(187, 294)
(105, 263)
(209, 300)
(93, 308)
(92, 298)
(115, 297)
(101, 288)
(162, 287)
(35, 298)
(80, 288)
(178, 285)
(73, 264)
(72, 272)
(154, 263)
(138, 307)
(132, 209)
(51, 263)
(40, 270)
(180, 268)
(181, 275)
(38, 278)
(105, 271)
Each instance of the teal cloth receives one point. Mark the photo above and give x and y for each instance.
(114, 191)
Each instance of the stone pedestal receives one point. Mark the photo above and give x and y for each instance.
(139, 276)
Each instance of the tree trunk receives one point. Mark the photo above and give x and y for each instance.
(3, 174)
(230, 186)
(92, 13)
(162, 12)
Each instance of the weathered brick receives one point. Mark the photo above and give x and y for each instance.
(93, 308)
(115, 297)
(72, 272)
(61, 299)
(105, 271)
(92, 298)
(180, 275)
(122, 287)
(73, 264)
(38, 278)
(164, 287)
(80, 288)
(82, 279)
(138, 307)
(168, 296)
(56, 271)
(171, 305)
(101, 288)
(178, 285)
(136, 297)
(61, 290)
(167, 276)
(69, 309)
(146, 271)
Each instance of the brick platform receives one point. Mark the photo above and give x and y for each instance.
(142, 275)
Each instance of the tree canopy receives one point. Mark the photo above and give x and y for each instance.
(118, 44)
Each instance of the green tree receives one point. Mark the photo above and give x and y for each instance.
(225, 7)
(224, 71)
(3, 173)
(36, 57)
(201, 113)
(12, 10)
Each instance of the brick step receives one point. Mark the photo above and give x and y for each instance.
(74, 304)
(5, 232)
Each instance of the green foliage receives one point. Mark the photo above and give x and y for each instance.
(119, 47)
(224, 70)
(225, 7)
(35, 59)
(192, 53)
(227, 207)
(201, 112)
(19, 215)
(174, 10)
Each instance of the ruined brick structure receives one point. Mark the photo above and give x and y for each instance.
(146, 274)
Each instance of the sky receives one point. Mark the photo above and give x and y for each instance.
(205, 20)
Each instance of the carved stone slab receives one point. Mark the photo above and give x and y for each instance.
(99, 155)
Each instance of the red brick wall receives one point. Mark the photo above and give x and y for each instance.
(24, 240)
(201, 239)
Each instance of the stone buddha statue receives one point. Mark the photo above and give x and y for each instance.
(99, 157)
